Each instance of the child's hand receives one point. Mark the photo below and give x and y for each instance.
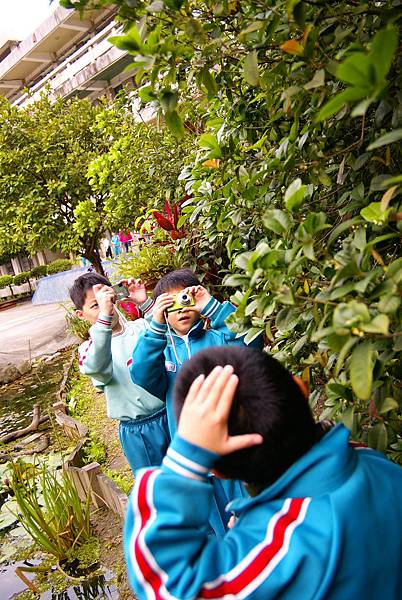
(204, 417)
(162, 303)
(105, 297)
(201, 297)
(136, 289)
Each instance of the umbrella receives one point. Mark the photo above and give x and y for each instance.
(55, 288)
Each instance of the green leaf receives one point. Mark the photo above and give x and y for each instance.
(333, 106)
(387, 404)
(383, 48)
(387, 138)
(175, 124)
(251, 72)
(380, 324)
(389, 303)
(209, 81)
(207, 140)
(294, 195)
(347, 417)
(341, 228)
(357, 70)
(168, 100)
(361, 370)
(378, 437)
(276, 220)
(374, 214)
(348, 315)
(251, 335)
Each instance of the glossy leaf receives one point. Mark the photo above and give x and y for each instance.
(361, 370)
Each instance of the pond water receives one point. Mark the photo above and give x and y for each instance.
(16, 404)
(37, 387)
(97, 588)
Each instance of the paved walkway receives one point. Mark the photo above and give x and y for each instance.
(28, 331)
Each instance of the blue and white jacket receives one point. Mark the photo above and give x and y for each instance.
(156, 361)
(105, 358)
(329, 528)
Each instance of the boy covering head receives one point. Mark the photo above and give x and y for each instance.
(143, 430)
(172, 338)
(311, 529)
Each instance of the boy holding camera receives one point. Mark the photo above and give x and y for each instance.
(324, 518)
(186, 319)
(143, 429)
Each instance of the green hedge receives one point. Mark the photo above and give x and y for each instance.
(61, 264)
(21, 278)
(39, 271)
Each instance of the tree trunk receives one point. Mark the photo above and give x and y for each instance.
(96, 261)
(11, 290)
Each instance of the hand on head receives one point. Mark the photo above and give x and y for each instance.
(205, 413)
(105, 297)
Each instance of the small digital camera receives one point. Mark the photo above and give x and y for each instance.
(121, 291)
(181, 300)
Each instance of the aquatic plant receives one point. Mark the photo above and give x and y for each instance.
(49, 508)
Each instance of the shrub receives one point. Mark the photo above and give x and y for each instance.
(76, 326)
(49, 508)
(6, 281)
(151, 263)
(61, 264)
(23, 277)
(39, 271)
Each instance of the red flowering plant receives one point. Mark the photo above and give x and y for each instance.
(169, 220)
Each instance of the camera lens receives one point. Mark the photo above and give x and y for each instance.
(184, 299)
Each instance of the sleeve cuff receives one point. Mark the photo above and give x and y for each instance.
(188, 460)
(210, 309)
(146, 306)
(158, 329)
(105, 320)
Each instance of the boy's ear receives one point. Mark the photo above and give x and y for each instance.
(301, 385)
(78, 313)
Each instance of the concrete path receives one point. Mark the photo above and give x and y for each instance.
(28, 331)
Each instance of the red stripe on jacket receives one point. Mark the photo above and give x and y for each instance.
(261, 561)
(254, 566)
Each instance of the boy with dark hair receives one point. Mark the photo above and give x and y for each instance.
(172, 338)
(143, 430)
(311, 529)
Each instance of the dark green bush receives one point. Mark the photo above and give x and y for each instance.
(61, 264)
(39, 271)
(21, 278)
(6, 281)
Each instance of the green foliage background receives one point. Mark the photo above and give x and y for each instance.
(298, 109)
(295, 107)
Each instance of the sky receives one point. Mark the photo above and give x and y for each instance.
(18, 18)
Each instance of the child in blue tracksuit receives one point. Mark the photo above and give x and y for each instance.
(324, 520)
(143, 429)
(169, 342)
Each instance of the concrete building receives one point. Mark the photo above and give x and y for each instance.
(67, 56)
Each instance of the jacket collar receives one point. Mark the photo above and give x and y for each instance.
(195, 331)
(324, 468)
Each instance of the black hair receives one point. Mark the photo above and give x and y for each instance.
(82, 284)
(267, 401)
(181, 278)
